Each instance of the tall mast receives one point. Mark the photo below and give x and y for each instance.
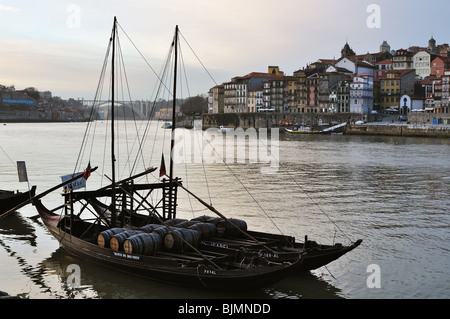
(172, 143)
(113, 159)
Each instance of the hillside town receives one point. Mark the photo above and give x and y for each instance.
(416, 79)
(31, 105)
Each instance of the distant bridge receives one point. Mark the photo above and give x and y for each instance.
(140, 108)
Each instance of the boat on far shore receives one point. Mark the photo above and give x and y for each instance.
(338, 128)
(302, 130)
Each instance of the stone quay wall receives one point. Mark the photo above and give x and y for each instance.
(272, 119)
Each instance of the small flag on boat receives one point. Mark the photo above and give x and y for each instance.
(76, 184)
(22, 171)
(162, 168)
(87, 172)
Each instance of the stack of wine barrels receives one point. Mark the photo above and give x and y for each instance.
(224, 226)
(117, 241)
(231, 227)
(174, 235)
(142, 244)
(206, 230)
(150, 227)
(174, 221)
(105, 236)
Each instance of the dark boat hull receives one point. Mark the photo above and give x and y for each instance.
(10, 200)
(166, 267)
(286, 249)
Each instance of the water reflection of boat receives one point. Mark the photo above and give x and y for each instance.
(16, 226)
(98, 282)
(18, 232)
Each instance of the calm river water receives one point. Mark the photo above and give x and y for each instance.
(392, 192)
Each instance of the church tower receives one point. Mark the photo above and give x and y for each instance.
(432, 45)
(347, 51)
(385, 47)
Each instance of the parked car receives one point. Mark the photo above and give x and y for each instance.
(402, 118)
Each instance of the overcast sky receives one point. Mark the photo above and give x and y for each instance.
(60, 45)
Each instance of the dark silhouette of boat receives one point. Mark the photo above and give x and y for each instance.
(10, 201)
(150, 245)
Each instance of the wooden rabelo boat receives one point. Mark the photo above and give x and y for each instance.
(9, 200)
(131, 235)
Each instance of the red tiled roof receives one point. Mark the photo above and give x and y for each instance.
(387, 61)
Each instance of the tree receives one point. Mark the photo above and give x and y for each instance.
(32, 92)
(194, 105)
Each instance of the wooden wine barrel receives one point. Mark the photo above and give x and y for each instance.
(172, 240)
(105, 236)
(225, 229)
(174, 221)
(142, 244)
(214, 220)
(150, 227)
(162, 231)
(206, 230)
(116, 242)
(202, 219)
(186, 223)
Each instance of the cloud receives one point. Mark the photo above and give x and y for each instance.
(8, 8)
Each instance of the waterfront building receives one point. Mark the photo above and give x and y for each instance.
(216, 99)
(333, 100)
(438, 65)
(266, 96)
(312, 93)
(290, 94)
(394, 84)
(17, 97)
(229, 98)
(343, 95)
(300, 75)
(328, 82)
(361, 94)
(402, 60)
(255, 100)
(422, 64)
(382, 67)
(445, 104)
(274, 94)
(347, 64)
(236, 91)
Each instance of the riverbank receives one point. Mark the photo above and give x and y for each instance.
(418, 125)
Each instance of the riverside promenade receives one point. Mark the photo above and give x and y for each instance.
(399, 129)
(387, 125)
